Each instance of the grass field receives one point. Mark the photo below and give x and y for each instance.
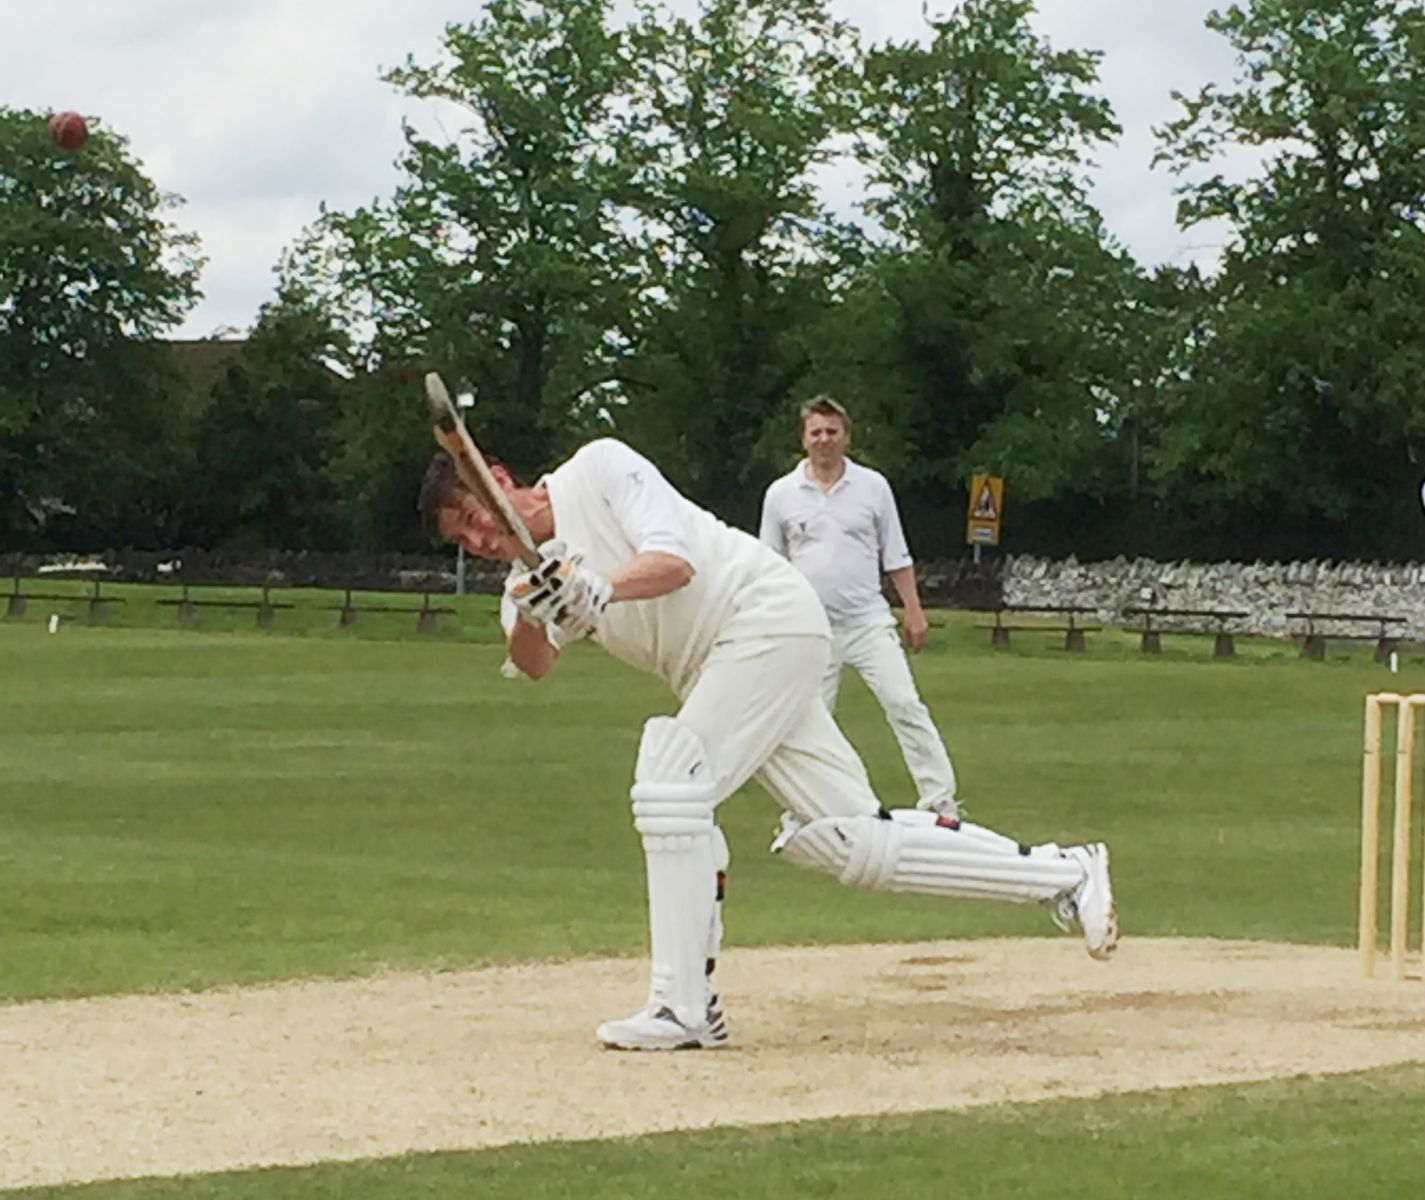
(185, 809)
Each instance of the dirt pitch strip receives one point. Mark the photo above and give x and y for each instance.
(313, 1072)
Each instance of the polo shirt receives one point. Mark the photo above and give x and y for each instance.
(842, 539)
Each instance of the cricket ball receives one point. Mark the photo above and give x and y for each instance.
(68, 130)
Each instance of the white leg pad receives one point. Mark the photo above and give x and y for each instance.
(915, 851)
(673, 803)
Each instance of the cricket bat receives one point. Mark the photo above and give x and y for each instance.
(474, 471)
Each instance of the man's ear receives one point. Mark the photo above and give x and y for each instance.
(502, 475)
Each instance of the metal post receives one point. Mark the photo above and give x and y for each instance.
(464, 402)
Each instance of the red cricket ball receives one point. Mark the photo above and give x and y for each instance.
(68, 130)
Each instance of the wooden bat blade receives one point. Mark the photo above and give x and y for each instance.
(474, 471)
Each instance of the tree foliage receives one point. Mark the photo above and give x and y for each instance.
(977, 336)
(732, 114)
(1303, 392)
(265, 439)
(501, 259)
(91, 271)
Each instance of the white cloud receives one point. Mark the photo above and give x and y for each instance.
(256, 112)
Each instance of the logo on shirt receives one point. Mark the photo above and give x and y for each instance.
(636, 477)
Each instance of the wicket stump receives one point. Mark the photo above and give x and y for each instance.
(1402, 841)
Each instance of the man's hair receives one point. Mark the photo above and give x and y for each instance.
(440, 488)
(824, 406)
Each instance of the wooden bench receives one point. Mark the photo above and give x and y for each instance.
(1158, 621)
(97, 604)
(1314, 638)
(187, 606)
(426, 614)
(1072, 627)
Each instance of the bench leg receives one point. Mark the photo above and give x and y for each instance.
(1314, 647)
(1074, 640)
(16, 606)
(1224, 646)
(1152, 642)
(999, 638)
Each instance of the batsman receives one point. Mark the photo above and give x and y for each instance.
(738, 634)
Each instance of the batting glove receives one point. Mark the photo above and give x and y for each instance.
(560, 594)
(590, 595)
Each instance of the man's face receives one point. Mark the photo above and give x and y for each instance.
(467, 523)
(824, 438)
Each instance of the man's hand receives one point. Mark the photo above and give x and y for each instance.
(560, 594)
(916, 627)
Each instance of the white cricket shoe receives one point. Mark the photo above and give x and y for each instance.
(655, 1027)
(1093, 900)
(945, 806)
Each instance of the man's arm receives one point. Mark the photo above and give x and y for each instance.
(896, 562)
(770, 532)
(915, 622)
(650, 574)
(648, 511)
(530, 649)
(645, 576)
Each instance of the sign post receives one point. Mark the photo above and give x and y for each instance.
(982, 523)
(464, 401)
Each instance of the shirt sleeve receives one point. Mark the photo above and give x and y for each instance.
(646, 506)
(895, 554)
(771, 532)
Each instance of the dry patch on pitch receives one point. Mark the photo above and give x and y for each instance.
(310, 1072)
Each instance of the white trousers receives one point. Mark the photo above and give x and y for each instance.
(757, 706)
(875, 652)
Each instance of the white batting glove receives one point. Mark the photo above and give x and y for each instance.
(538, 593)
(590, 595)
(560, 594)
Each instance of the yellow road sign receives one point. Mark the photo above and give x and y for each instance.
(986, 510)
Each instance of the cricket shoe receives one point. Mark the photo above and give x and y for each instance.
(945, 806)
(656, 1027)
(1093, 900)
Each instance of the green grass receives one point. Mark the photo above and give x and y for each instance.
(1330, 1139)
(184, 809)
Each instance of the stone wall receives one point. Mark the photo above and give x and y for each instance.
(1268, 591)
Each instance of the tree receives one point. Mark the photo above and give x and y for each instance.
(1303, 400)
(91, 272)
(501, 260)
(978, 336)
(267, 435)
(733, 114)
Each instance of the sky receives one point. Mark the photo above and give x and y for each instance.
(257, 112)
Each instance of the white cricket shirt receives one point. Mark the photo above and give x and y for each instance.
(841, 539)
(611, 503)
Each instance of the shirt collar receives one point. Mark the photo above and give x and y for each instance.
(804, 478)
